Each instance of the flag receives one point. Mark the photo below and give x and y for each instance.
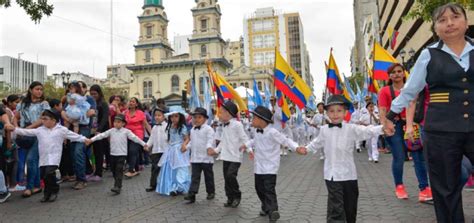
(347, 84)
(289, 82)
(268, 95)
(393, 37)
(372, 85)
(250, 101)
(285, 110)
(311, 105)
(194, 99)
(382, 61)
(207, 100)
(256, 94)
(333, 82)
(224, 90)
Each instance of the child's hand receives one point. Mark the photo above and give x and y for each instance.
(87, 142)
(251, 156)
(211, 152)
(302, 150)
(146, 148)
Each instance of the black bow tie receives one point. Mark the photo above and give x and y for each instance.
(335, 125)
(158, 124)
(226, 124)
(260, 131)
(197, 128)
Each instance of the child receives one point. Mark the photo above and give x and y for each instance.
(77, 107)
(320, 119)
(202, 137)
(231, 139)
(118, 148)
(266, 143)
(368, 119)
(340, 173)
(175, 178)
(50, 145)
(158, 144)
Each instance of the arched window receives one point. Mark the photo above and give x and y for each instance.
(247, 84)
(147, 89)
(175, 83)
(203, 50)
(147, 55)
(259, 85)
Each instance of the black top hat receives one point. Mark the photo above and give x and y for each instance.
(200, 111)
(263, 113)
(337, 100)
(121, 117)
(56, 115)
(231, 108)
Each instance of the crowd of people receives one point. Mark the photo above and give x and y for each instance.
(48, 141)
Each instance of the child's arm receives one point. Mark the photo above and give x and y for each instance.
(283, 140)
(103, 135)
(74, 137)
(185, 143)
(153, 135)
(134, 138)
(315, 145)
(25, 132)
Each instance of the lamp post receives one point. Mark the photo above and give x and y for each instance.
(408, 64)
(65, 77)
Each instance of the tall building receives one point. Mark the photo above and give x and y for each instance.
(159, 74)
(266, 30)
(414, 34)
(17, 74)
(235, 53)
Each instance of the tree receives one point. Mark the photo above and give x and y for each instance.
(51, 91)
(36, 9)
(422, 9)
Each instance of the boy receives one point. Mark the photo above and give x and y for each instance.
(202, 136)
(50, 145)
(158, 143)
(266, 143)
(371, 118)
(118, 148)
(340, 173)
(231, 138)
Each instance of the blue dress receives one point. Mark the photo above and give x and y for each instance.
(174, 174)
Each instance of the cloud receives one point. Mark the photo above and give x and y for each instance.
(76, 37)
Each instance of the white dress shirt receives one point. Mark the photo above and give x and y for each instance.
(231, 139)
(201, 139)
(158, 139)
(50, 142)
(118, 140)
(266, 147)
(367, 119)
(338, 144)
(277, 118)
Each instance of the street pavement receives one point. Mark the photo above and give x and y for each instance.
(301, 190)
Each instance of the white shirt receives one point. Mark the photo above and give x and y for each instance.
(367, 119)
(267, 150)
(231, 139)
(158, 139)
(118, 140)
(320, 119)
(338, 144)
(200, 140)
(50, 142)
(277, 117)
(355, 116)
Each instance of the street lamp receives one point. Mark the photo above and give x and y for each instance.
(66, 76)
(408, 64)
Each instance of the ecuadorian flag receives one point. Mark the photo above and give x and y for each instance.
(382, 61)
(285, 110)
(289, 82)
(333, 82)
(372, 85)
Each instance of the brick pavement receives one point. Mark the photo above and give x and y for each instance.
(301, 193)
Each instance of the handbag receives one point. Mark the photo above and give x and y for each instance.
(415, 144)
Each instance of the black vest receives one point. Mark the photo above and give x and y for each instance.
(451, 105)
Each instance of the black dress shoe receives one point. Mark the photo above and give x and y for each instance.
(190, 197)
(211, 196)
(263, 213)
(53, 197)
(228, 203)
(235, 203)
(116, 190)
(150, 189)
(173, 194)
(45, 198)
(274, 215)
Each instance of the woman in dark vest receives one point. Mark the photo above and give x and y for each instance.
(447, 68)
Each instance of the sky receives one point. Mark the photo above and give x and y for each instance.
(76, 37)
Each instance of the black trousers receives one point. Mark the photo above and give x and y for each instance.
(342, 201)
(99, 151)
(445, 152)
(48, 174)
(66, 161)
(197, 168)
(133, 156)
(265, 187)
(116, 166)
(155, 169)
(232, 190)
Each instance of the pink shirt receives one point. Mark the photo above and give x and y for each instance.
(135, 123)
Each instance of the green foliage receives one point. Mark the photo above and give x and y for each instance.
(356, 78)
(50, 90)
(422, 9)
(35, 9)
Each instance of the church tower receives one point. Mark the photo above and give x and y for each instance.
(153, 45)
(206, 41)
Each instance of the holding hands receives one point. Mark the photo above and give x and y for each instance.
(302, 150)
(88, 142)
(146, 148)
(211, 152)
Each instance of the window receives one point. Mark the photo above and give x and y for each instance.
(259, 85)
(234, 85)
(203, 50)
(263, 58)
(147, 89)
(147, 55)
(258, 59)
(175, 83)
(258, 41)
(262, 25)
(203, 25)
(149, 31)
(242, 84)
(1, 70)
(264, 41)
(247, 84)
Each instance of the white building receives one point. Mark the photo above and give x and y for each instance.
(181, 44)
(17, 74)
(75, 76)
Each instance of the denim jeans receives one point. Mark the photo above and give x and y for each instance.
(397, 144)
(20, 174)
(78, 152)
(3, 186)
(32, 170)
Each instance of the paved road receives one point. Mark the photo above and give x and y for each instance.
(302, 197)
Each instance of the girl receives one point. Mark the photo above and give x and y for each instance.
(175, 177)
(11, 150)
(75, 112)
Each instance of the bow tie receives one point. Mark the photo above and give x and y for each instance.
(226, 124)
(197, 128)
(335, 125)
(158, 124)
(260, 131)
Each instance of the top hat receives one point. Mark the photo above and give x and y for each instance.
(337, 100)
(56, 115)
(263, 113)
(231, 108)
(200, 111)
